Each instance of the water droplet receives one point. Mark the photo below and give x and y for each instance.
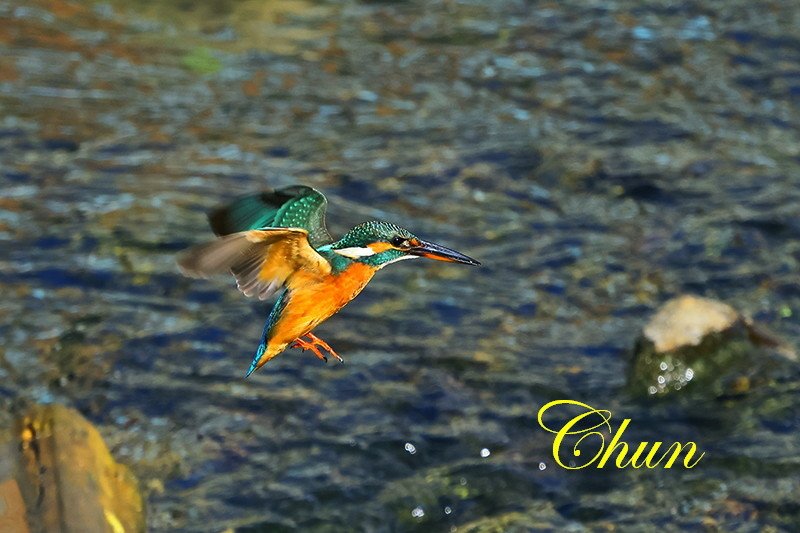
(447, 510)
(663, 159)
(520, 114)
(463, 481)
(689, 374)
(652, 390)
(418, 512)
(661, 380)
(542, 466)
(410, 448)
(663, 365)
(485, 452)
(645, 34)
(367, 96)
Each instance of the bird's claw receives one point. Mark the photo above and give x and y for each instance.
(314, 344)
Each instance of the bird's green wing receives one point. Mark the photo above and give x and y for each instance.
(292, 207)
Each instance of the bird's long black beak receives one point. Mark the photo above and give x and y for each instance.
(440, 253)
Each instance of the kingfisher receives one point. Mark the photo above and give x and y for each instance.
(276, 241)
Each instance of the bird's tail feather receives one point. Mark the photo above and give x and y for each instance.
(254, 365)
(260, 351)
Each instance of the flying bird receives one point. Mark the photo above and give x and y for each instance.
(276, 241)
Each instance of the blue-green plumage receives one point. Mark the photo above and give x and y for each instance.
(277, 309)
(361, 235)
(292, 207)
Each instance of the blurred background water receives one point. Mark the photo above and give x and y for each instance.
(598, 157)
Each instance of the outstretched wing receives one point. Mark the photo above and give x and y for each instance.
(292, 207)
(262, 261)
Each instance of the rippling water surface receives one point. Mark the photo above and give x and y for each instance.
(598, 157)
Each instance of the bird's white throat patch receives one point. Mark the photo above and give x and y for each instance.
(401, 258)
(355, 252)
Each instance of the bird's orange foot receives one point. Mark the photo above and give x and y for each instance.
(306, 345)
(314, 344)
(325, 346)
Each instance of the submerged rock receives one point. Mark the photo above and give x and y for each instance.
(703, 345)
(56, 474)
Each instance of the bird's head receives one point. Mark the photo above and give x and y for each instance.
(379, 243)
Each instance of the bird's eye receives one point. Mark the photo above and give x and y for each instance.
(399, 241)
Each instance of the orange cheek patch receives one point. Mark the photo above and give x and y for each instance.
(379, 247)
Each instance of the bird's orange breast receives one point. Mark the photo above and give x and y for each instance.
(313, 299)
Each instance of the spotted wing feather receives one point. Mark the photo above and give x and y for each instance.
(291, 207)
